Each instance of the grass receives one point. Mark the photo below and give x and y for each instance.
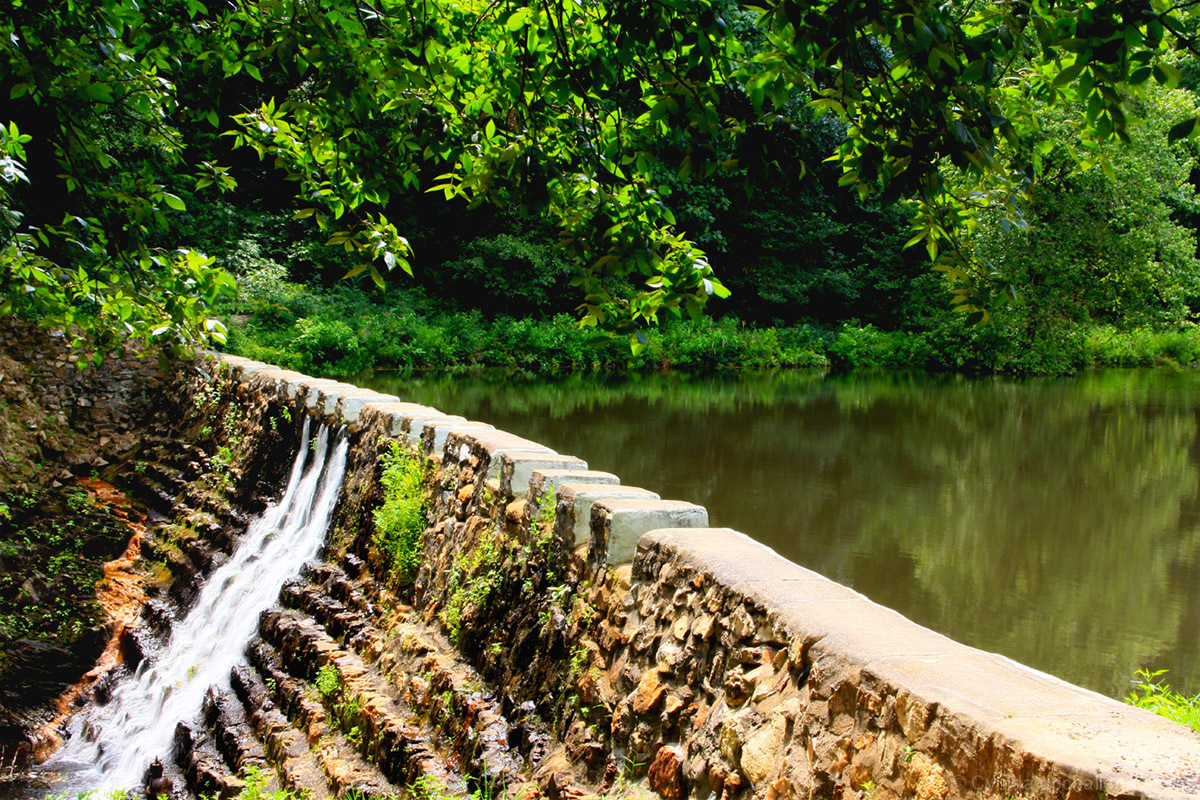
(1154, 694)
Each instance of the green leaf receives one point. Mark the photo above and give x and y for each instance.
(99, 92)
(174, 202)
(1068, 75)
(1182, 130)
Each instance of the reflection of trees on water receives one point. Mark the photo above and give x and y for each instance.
(1053, 521)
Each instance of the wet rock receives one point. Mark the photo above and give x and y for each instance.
(666, 774)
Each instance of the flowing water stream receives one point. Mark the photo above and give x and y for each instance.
(111, 744)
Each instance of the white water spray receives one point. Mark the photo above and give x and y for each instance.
(118, 739)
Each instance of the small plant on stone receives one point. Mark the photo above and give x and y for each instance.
(329, 681)
(1154, 694)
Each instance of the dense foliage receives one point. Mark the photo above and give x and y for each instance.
(627, 132)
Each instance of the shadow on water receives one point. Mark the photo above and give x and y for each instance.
(1054, 521)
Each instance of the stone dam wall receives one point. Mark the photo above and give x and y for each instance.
(612, 643)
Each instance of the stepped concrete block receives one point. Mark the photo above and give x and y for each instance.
(241, 368)
(414, 425)
(391, 415)
(274, 381)
(297, 388)
(543, 481)
(617, 523)
(489, 446)
(308, 391)
(244, 373)
(516, 469)
(574, 502)
(350, 404)
(329, 397)
(434, 432)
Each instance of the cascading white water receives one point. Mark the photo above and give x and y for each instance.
(115, 742)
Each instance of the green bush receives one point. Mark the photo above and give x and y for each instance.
(331, 346)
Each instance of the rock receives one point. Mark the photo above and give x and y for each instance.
(741, 624)
(703, 627)
(764, 749)
(781, 789)
(231, 786)
(672, 704)
(738, 687)
(730, 739)
(666, 774)
(648, 693)
(716, 779)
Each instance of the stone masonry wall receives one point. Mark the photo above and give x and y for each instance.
(643, 650)
(53, 411)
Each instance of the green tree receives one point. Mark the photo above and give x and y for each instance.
(562, 109)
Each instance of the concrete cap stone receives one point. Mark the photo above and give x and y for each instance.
(297, 388)
(329, 398)
(246, 372)
(573, 506)
(488, 446)
(314, 394)
(542, 481)
(618, 523)
(1066, 734)
(516, 469)
(350, 404)
(391, 415)
(435, 431)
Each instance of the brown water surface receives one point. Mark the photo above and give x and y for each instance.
(1054, 521)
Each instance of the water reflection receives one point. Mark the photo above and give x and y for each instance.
(1054, 521)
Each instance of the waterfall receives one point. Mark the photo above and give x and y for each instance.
(112, 744)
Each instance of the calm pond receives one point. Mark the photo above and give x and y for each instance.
(1054, 521)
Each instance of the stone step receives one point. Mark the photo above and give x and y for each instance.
(341, 740)
(232, 732)
(452, 696)
(289, 747)
(389, 734)
(204, 769)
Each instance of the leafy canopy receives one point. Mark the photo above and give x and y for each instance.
(562, 108)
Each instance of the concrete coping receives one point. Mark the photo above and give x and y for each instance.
(309, 393)
(296, 388)
(330, 397)
(573, 507)
(1062, 728)
(350, 404)
(434, 432)
(542, 481)
(241, 368)
(517, 469)
(488, 446)
(393, 414)
(617, 523)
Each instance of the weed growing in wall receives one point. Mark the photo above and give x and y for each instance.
(400, 520)
(329, 682)
(472, 582)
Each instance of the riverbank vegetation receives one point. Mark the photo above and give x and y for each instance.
(1152, 692)
(620, 164)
